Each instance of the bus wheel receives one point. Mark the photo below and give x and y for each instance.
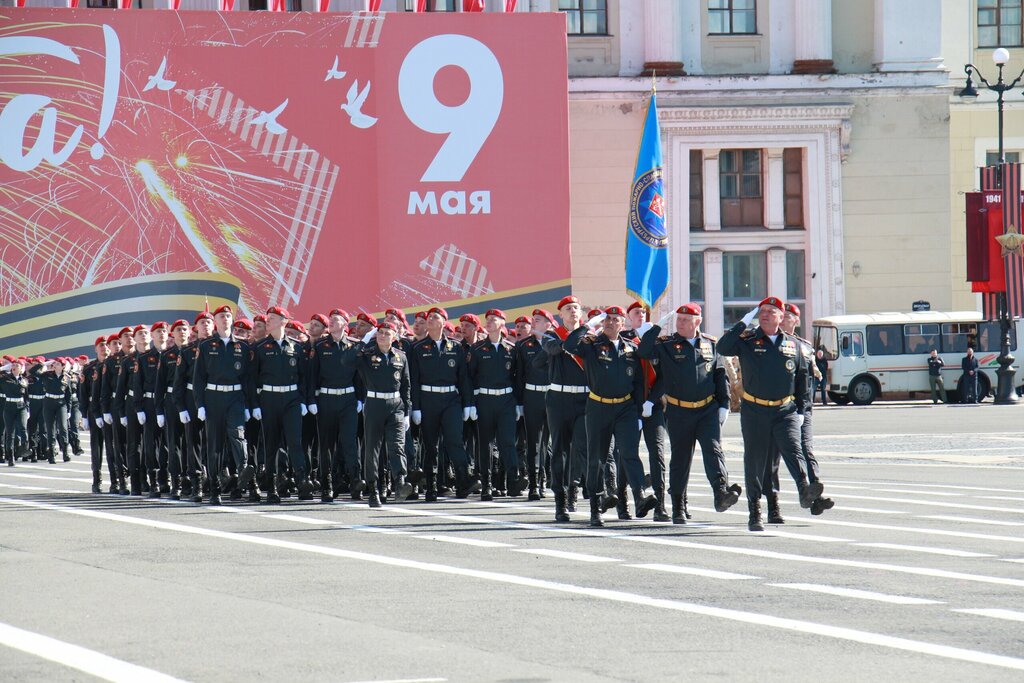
(838, 399)
(862, 391)
(984, 386)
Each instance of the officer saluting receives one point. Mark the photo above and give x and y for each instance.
(385, 372)
(775, 395)
(696, 391)
(616, 394)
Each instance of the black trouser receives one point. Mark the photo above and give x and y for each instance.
(654, 437)
(765, 428)
(535, 418)
(383, 428)
(173, 436)
(771, 483)
(442, 417)
(282, 427)
(118, 438)
(150, 436)
(567, 423)
(337, 421)
(37, 426)
(193, 457)
(55, 423)
(497, 422)
(15, 429)
(619, 420)
(74, 424)
(310, 442)
(99, 444)
(686, 428)
(225, 425)
(133, 438)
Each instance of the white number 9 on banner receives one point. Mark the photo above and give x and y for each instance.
(469, 124)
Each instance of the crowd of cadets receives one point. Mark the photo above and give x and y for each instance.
(380, 410)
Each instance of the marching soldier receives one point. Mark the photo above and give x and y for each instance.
(183, 393)
(99, 442)
(168, 417)
(534, 382)
(384, 369)
(442, 401)
(102, 399)
(36, 401)
(74, 372)
(56, 397)
(124, 413)
(775, 395)
(223, 394)
(335, 396)
(279, 374)
(613, 409)
(694, 384)
(14, 390)
(149, 346)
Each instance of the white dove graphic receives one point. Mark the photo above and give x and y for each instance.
(355, 103)
(158, 81)
(334, 73)
(269, 119)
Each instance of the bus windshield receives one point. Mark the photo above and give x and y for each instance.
(827, 339)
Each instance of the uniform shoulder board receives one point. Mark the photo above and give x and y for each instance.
(587, 340)
(747, 334)
(709, 337)
(477, 345)
(805, 341)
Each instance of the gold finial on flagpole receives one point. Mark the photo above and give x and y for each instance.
(654, 85)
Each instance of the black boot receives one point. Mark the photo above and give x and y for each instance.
(774, 513)
(154, 488)
(622, 507)
(821, 504)
(254, 495)
(214, 491)
(304, 489)
(356, 489)
(596, 506)
(644, 502)
(686, 506)
(197, 487)
(403, 489)
(374, 498)
(122, 487)
(325, 491)
(175, 487)
(136, 482)
(725, 498)
(677, 509)
(755, 523)
(809, 493)
(95, 482)
(659, 510)
(560, 514)
(572, 498)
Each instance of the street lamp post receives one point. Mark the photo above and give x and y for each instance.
(1005, 373)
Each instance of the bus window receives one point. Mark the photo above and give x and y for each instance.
(827, 339)
(852, 344)
(885, 340)
(990, 337)
(956, 337)
(921, 339)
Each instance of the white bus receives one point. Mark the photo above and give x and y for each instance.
(871, 355)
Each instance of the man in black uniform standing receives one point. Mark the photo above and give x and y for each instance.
(184, 400)
(693, 382)
(102, 398)
(167, 417)
(614, 407)
(533, 387)
(143, 405)
(125, 416)
(384, 369)
(279, 369)
(775, 394)
(223, 393)
(99, 444)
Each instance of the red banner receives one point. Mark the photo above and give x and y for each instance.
(988, 206)
(311, 160)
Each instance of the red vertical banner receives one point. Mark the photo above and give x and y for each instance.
(510, 5)
(977, 238)
(472, 5)
(992, 201)
(1013, 264)
(989, 181)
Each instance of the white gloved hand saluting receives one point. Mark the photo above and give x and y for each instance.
(369, 335)
(667, 321)
(647, 409)
(749, 317)
(596, 321)
(723, 415)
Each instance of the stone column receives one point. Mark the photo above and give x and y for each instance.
(777, 272)
(813, 48)
(908, 35)
(714, 301)
(712, 191)
(662, 49)
(774, 190)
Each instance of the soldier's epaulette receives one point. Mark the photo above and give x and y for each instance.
(747, 334)
(709, 337)
(805, 341)
(477, 345)
(587, 340)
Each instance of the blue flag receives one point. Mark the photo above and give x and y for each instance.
(646, 237)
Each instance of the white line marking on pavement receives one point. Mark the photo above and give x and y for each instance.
(693, 571)
(921, 549)
(38, 488)
(872, 511)
(77, 657)
(1007, 614)
(850, 487)
(956, 487)
(407, 680)
(854, 593)
(563, 555)
(464, 541)
(972, 520)
(1020, 561)
(935, 503)
(794, 625)
(41, 476)
(773, 531)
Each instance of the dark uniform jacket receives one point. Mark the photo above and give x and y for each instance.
(685, 371)
(165, 375)
(495, 366)
(144, 379)
(183, 374)
(611, 372)
(563, 367)
(385, 373)
(103, 391)
(56, 385)
(771, 371)
(446, 366)
(280, 365)
(332, 366)
(532, 371)
(13, 388)
(225, 364)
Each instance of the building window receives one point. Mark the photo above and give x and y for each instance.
(744, 276)
(740, 182)
(696, 189)
(793, 187)
(992, 158)
(795, 287)
(999, 23)
(585, 17)
(885, 339)
(697, 276)
(732, 17)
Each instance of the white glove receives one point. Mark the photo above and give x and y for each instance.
(304, 409)
(201, 414)
(473, 415)
(248, 415)
(123, 421)
(466, 413)
(312, 408)
(369, 335)
(160, 421)
(723, 415)
(405, 423)
(647, 409)
(519, 412)
(666, 320)
(596, 321)
(749, 317)
(184, 417)
(257, 413)
(417, 416)
(799, 421)
(639, 424)
(6, 367)
(359, 407)
(108, 418)
(99, 422)
(141, 417)
(643, 328)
